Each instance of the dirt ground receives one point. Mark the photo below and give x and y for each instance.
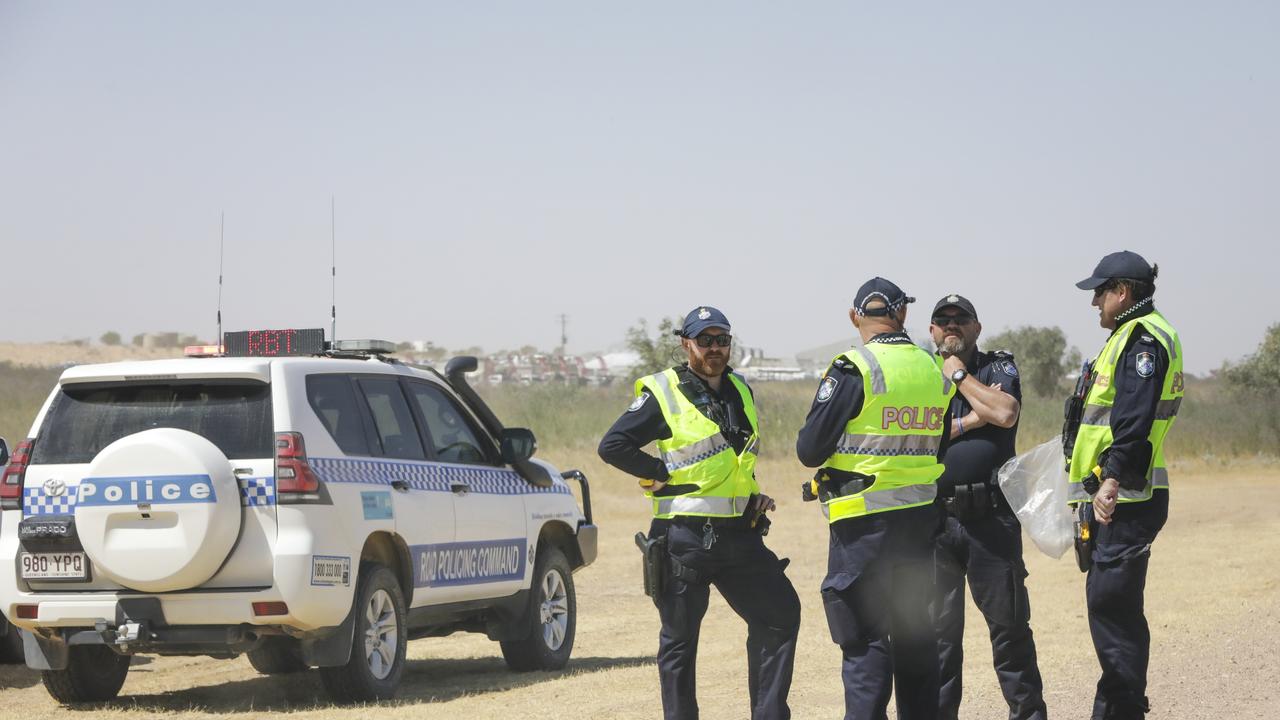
(1213, 601)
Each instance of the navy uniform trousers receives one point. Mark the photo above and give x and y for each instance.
(751, 580)
(1114, 594)
(876, 597)
(989, 551)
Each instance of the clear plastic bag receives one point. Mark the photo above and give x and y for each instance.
(1035, 484)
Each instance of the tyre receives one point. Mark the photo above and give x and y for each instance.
(94, 673)
(377, 649)
(277, 656)
(552, 617)
(10, 644)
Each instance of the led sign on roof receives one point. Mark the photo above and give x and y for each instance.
(274, 343)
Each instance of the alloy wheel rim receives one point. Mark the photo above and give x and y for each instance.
(554, 610)
(381, 636)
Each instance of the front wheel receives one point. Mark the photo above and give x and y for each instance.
(377, 650)
(94, 673)
(552, 619)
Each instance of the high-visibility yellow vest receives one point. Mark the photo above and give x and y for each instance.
(698, 454)
(1094, 433)
(896, 436)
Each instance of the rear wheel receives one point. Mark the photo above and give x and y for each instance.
(277, 656)
(378, 648)
(94, 673)
(10, 643)
(552, 617)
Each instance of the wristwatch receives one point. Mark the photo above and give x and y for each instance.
(958, 376)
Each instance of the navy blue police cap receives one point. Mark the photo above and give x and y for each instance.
(701, 318)
(877, 288)
(1124, 264)
(956, 301)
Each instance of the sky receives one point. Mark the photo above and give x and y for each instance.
(495, 165)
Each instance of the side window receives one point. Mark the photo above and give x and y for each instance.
(334, 402)
(451, 437)
(392, 418)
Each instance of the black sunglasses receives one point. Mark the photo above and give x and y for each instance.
(1107, 286)
(706, 341)
(957, 320)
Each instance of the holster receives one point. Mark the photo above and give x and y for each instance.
(1084, 534)
(834, 484)
(971, 501)
(654, 565)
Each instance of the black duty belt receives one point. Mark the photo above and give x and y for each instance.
(720, 523)
(833, 488)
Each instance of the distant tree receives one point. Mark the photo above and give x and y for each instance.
(139, 339)
(1041, 354)
(527, 350)
(110, 337)
(656, 353)
(185, 340)
(1261, 370)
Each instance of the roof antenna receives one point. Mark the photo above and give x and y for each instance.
(222, 239)
(333, 272)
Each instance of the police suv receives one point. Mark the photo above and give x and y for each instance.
(311, 504)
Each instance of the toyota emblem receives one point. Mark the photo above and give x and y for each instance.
(53, 487)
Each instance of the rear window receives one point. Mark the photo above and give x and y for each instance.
(235, 416)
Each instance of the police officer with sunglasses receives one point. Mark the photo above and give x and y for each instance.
(981, 537)
(708, 512)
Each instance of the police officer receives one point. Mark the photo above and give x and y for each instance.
(708, 506)
(981, 536)
(1127, 399)
(876, 429)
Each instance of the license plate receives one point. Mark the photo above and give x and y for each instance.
(59, 566)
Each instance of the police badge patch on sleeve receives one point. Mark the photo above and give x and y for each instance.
(827, 389)
(638, 402)
(1146, 364)
(1008, 368)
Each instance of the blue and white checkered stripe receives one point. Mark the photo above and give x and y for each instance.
(429, 476)
(35, 502)
(257, 491)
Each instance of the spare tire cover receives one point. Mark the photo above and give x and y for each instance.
(159, 510)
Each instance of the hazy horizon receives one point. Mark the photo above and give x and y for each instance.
(497, 165)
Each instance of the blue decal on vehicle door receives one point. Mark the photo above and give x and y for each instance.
(468, 563)
(377, 505)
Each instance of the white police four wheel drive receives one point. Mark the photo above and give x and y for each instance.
(296, 509)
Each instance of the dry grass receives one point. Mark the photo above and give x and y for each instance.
(1213, 598)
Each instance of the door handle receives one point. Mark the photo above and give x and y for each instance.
(401, 485)
(459, 488)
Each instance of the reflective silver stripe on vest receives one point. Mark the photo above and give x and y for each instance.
(1166, 409)
(1096, 415)
(754, 447)
(1168, 341)
(897, 497)
(946, 384)
(1076, 493)
(877, 373)
(1159, 481)
(695, 453)
(728, 507)
(664, 384)
(1160, 478)
(1115, 351)
(888, 445)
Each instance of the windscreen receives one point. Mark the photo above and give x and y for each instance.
(233, 415)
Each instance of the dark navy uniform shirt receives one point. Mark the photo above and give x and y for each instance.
(976, 453)
(838, 401)
(1138, 386)
(643, 423)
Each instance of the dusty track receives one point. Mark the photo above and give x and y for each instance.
(1213, 599)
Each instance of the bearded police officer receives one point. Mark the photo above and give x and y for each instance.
(876, 430)
(1126, 400)
(708, 509)
(982, 537)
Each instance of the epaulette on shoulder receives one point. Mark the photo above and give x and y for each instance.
(1002, 354)
(843, 366)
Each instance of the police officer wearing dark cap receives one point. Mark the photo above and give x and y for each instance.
(981, 537)
(876, 431)
(710, 514)
(1126, 400)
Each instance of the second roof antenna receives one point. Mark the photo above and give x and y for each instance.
(222, 238)
(333, 272)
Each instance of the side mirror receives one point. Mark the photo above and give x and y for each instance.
(518, 445)
(4, 453)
